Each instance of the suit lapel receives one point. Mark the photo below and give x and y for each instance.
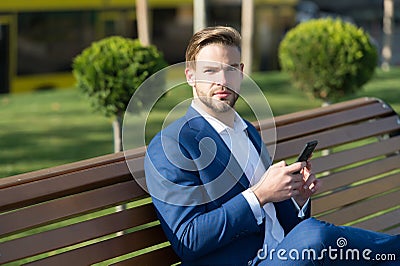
(211, 143)
(259, 145)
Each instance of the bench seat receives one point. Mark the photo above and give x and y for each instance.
(95, 212)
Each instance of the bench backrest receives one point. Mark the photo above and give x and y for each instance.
(67, 215)
(71, 211)
(359, 161)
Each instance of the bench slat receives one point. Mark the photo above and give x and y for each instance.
(380, 223)
(63, 185)
(359, 173)
(76, 233)
(338, 136)
(362, 209)
(108, 159)
(63, 208)
(357, 154)
(268, 127)
(107, 249)
(333, 108)
(328, 121)
(153, 258)
(393, 231)
(354, 194)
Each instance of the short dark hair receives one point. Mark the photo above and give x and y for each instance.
(211, 35)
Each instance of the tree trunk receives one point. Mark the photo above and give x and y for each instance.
(388, 11)
(199, 15)
(117, 129)
(142, 16)
(247, 34)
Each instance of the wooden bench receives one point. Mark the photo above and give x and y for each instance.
(67, 215)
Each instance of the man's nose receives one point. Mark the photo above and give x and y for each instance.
(222, 78)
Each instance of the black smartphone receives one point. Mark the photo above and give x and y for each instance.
(306, 152)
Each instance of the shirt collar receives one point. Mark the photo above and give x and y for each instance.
(238, 124)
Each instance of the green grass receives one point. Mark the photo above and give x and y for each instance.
(50, 128)
(44, 129)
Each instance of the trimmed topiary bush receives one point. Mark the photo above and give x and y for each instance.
(109, 72)
(328, 58)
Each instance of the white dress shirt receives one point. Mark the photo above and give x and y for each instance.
(248, 158)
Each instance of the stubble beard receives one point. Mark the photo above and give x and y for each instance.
(219, 106)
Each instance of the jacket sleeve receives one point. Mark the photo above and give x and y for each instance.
(193, 223)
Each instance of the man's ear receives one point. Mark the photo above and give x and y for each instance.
(190, 76)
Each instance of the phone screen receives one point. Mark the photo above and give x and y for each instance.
(306, 152)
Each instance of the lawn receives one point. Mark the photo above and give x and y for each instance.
(48, 128)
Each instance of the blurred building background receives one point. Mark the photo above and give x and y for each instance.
(39, 38)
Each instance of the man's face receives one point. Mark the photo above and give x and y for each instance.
(217, 76)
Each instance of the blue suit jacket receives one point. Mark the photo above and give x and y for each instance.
(196, 187)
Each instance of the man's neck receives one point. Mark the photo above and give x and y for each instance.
(227, 117)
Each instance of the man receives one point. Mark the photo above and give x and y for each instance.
(218, 198)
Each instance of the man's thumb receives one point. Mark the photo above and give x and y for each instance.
(280, 164)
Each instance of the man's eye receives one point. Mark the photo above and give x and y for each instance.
(209, 71)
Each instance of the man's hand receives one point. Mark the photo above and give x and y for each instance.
(310, 186)
(279, 183)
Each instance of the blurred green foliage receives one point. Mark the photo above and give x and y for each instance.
(328, 58)
(112, 69)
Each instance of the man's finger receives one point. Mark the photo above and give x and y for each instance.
(310, 180)
(296, 167)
